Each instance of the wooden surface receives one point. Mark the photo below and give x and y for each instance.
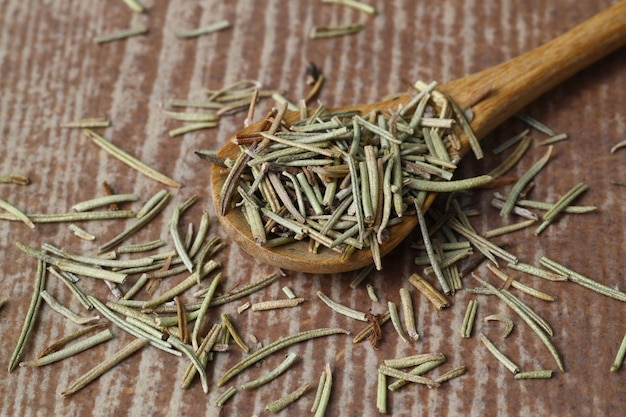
(51, 72)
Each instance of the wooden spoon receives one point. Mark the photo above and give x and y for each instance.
(515, 84)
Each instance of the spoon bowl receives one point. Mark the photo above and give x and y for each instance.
(514, 84)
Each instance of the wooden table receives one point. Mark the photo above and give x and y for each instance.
(51, 71)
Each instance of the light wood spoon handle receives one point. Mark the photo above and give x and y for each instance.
(521, 80)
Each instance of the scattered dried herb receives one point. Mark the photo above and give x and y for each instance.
(274, 347)
(121, 34)
(284, 402)
(129, 159)
(468, 319)
(504, 360)
(213, 27)
(104, 366)
(14, 179)
(31, 315)
(71, 350)
(619, 357)
(336, 30)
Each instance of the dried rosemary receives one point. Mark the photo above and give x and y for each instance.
(539, 374)
(213, 27)
(270, 376)
(430, 292)
(283, 402)
(342, 309)
(14, 179)
(276, 304)
(121, 34)
(104, 366)
(541, 333)
(135, 6)
(17, 213)
(31, 315)
(522, 182)
(322, 405)
(582, 280)
(274, 347)
(71, 350)
(508, 323)
(468, 319)
(343, 179)
(337, 30)
(130, 160)
(504, 360)
(619, 357)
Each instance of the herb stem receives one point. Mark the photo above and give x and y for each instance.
(342, 309)
(130, 160)
(121, 34)
(276, 304)
(104, 201)
(451, 374)
(226, 395)
(245, 290)
(337, 30)
(445, 287)
(528, 320)
(395, 320)
(213, 27)
(58, 355)
(184, 285)
(583, 280)
(413, 360)
(522, 182)
(406, 376)
(203, 309)
(619, 358)
(448, 186)
(430, 292)
(381, 393)
(14, 179)
(468, 319)
(73, 217)
(538, 374)
(522, 287)
(235, 335)
(105, 365)
(318, 392)
(135, 6)
(320, 411)
(504, 360)
(17, 213)
(420, 369)
(283, 402)
(61, 309)
(560, 205)
(508, 323)
(270, 376)
(274, 347)
(141, 221)
(31, 315)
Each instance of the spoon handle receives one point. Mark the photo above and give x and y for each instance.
(521, 80)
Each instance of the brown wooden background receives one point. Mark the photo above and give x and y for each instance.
(51, 72)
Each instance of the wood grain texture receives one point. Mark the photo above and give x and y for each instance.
(51, 72)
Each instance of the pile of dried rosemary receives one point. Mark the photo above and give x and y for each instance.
(342, 179)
